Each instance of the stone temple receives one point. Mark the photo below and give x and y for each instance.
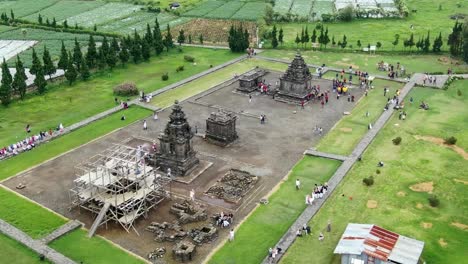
(295, 84)
(221, 128)
(248, 82)
(176, 151)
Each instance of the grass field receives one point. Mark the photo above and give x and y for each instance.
(267, 224)
(351, 128)
(399, 208)
(204, 83)
(64, 9)
(69, 141)
(427, 18)
(27, 216)
(12, 250)
(70, 104)
(366, 62)
(77, 246)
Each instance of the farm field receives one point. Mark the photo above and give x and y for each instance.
(227, 10)
(401, 203)
(302, 7)
(427, 18)
(23, 8)
(283, 6)
(70, 104)
(267, 224)
(12, 249)
(249, 10)
(365, 62)
(64, 9)
(102, 14)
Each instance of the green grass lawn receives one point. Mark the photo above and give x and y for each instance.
(27, 216)
(13, 250)
(267, 224)
(77, 246)
(366, 62)
(206, 82)
(70, 104)
(69, 141)
(351, 128)
(399, 208)
(370, 31)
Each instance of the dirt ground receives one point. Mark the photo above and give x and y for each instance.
(268, 151)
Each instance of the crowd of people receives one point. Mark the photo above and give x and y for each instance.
(318, 192)
(224, 220)
(393, 71)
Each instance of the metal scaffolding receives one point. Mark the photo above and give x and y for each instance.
(118, 186)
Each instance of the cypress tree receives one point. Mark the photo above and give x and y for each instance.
(36, 63)
(411, 41)
(84, 72)
(326, 38)
(123, 54)
(302, 37)
(274, 39)
(200, 38)
(12, 14)
(112, 58)
(436, 47)
(101, 59)
(77, 55)
(54, 23)
(157, 39)
(297, 40)
(148, 34)
(76, 25)
(39, 19)
(427, 43)
(105, 46)
(70, 73)
(63, 60)
(135, 48)
(19, 81)
(115, 45)
(246, 40)
(306, 36)
(47, 22)
(95, 28)
(145, 50)
(92, 53)
(181, 38)
(5, 87)
(321, 37)
(49, 67)
(280, 36)
(344, 43)
(190, 39)
(40, 81)
(168, 42)
(313, 38)
(65, 24)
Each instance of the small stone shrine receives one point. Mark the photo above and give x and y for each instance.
(221, 128)
(295, 83)
(184, 251)
(249, 81)
(176, 151)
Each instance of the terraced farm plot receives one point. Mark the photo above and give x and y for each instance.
(204, 8)
(225, 11)
(302, 8)
(250, 11)
(65, 9)
(283, 6)
(24, 8)
(9, 48)
(322, 7)
(103, 14)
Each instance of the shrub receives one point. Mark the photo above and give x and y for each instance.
(369, 181)
(433, 200)
(165, 76)
(396, 141)
(180, 68)
(459, 93)
(377, 171)
(189, 58)
(126, 89)
(451, 140)
(347, 13)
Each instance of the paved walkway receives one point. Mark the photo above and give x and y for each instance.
(36, 245)
(313, 152)
(289, 237)
(64, 229)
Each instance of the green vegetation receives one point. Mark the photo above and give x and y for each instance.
(399, 208)
(29, 217)
(23, 8)
(15, 250)
(64, 9)
(267, 224)
(69, 104)
(102, 14)
(347, 133)
(69, 141)
(77, 246)
(228, 10)
(206, 82)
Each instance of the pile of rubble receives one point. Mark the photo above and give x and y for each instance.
(157, 253)
(233, 186)
(184, 251)
(205, 234)
(188, 212)
(166, 231)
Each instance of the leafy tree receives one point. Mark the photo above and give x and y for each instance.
(40, 81)
(5, 87)
(158, 42)
(274, 39)
(379, 44)
(77, 55)
(92, 53)
(49, 67)
(70, 73)
(145, 50)
(395, 42)
(36, 63)
(84, 71)
(19, 81)
(181, 37)
(63, 60)
(168, 42)
(280, 36)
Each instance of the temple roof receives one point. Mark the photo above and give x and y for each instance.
(297, 70)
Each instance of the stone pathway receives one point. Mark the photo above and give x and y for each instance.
(289, 237)
(313, 152)
(64, 229)
(36, 245)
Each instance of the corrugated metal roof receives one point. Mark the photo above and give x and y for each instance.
(379, 243)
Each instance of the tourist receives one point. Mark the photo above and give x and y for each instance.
(250, 98)
(302, 104)
(155, 115)
(306, 229)
(321, 237)
(145, 126)
(60, 127)
(329, 226)
(231, 235)
(299, 233)
(192, 195)
(380, 164)
(320, 131)
(28, 128)
(298, 184)
(122, 118)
